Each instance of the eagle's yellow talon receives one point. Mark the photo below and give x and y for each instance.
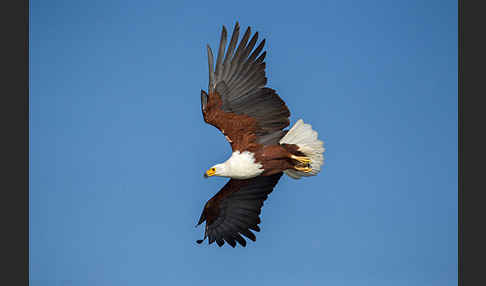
(301, 159)
(305, 169)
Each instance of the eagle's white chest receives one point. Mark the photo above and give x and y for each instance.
(242, 166)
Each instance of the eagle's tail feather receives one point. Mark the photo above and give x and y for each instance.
(302, 135)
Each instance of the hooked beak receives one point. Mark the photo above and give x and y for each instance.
(209, 173)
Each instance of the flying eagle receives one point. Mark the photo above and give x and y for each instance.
(252, 118)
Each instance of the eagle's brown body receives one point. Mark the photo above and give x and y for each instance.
(240, 131)
(252, 118)
(277, 158)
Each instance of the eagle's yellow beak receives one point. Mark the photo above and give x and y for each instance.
(210, 173)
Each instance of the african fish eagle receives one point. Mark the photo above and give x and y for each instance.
(252, 118)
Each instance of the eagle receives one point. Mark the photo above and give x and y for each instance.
(252, 117)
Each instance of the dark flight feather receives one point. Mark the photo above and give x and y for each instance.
(235, 209)
(238, 79)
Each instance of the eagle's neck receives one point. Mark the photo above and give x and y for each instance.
(242, 165)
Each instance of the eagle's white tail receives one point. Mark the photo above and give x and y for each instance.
(303, 136)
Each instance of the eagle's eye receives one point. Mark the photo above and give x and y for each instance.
(213, 170)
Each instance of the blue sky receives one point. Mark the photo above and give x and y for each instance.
(118, 145)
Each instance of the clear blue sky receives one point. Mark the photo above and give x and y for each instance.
(118, 145)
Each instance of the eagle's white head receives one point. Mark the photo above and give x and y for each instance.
(216, 170)
(238, 166)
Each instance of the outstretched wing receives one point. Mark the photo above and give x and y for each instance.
(235, 210)
(238, 103)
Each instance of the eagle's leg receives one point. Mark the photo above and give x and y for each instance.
(272, 167)
(301, 159)
(305, 169)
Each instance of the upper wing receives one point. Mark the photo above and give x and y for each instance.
(238, 101)
(235, 209)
